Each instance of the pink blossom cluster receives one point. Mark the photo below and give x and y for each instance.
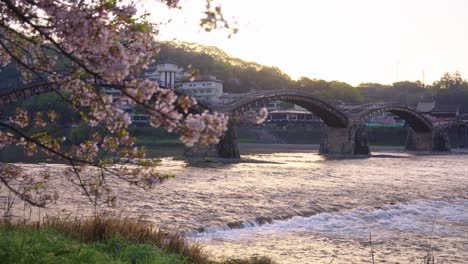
(86, 151)
(20, 118)
(39, 121)
(4, 58)
(204, 128)
(100, 36)
(6, 138)
(252, 116)
(30, 187)
(95, 44)
(141, 90)
(164, 112)
(262, 115)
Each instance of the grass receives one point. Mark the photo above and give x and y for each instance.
(46, 246)
(100, 240)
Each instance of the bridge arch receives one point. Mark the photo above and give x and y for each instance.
(330, 115)
(418, 122)
(424, 135)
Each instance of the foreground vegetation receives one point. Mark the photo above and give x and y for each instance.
(99, 240)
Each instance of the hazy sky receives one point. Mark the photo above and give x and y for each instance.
(348, 40)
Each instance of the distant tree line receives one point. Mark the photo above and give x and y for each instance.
(241, 76)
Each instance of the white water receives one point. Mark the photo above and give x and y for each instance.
(401, 233)
(432, 218)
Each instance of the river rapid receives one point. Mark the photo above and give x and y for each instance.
(303, 208)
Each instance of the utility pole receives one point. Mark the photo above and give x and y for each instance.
(424, 79)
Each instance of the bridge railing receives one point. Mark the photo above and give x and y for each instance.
(15, 90)
(17, 84)
(262, 93)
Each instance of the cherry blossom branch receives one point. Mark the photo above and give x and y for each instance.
(20, 195)
(20, 15)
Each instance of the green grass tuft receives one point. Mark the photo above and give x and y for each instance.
(46, 246)
(100, 240)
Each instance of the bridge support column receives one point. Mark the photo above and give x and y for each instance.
(349, 141)
(427, 141)
(227, 147)
(441, 141)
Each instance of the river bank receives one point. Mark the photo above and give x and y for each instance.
(100, 240)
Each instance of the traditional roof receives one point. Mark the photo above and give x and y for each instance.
(446, 110)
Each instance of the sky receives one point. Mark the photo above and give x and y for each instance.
(354, 41)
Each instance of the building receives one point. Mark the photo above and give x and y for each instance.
(168, 73)
(439, 112)
(206, 87)
(291, 118)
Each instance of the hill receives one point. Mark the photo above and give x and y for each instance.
(241, 76)
(238, 75)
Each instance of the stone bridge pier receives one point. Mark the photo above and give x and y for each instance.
(353, 140)
(437, 140)
(348, 141)
(227, 147)
(337, 142)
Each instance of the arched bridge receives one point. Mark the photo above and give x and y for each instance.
(345, 132)
(416, 120)
(15, 90)
(330, 115)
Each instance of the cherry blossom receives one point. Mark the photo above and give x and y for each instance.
(4, 58)
(20, 118)
(253, 116)
(80, 48)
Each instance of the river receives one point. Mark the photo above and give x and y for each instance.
(303, 208)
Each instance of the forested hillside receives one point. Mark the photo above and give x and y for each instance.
(241, 76)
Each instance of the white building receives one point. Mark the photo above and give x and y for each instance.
(206, 87)
(168, 73)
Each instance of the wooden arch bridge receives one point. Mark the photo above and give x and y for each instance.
(345, 133)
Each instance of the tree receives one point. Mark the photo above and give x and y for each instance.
(334, 90)
(451, 82)
(405, 92)
(408, 93)
(345, 92)
(77, 47)
(451, 90)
